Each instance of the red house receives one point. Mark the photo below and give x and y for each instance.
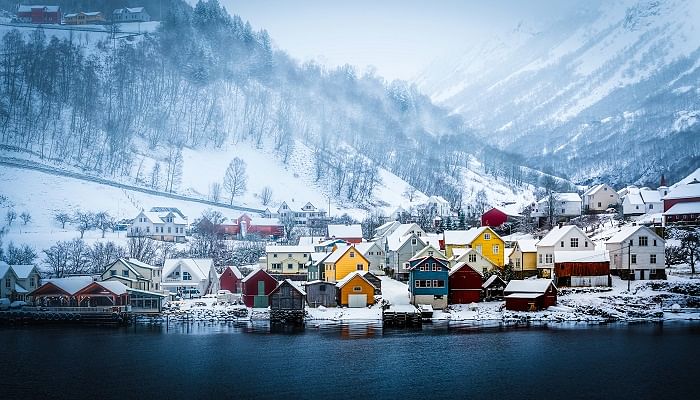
(256, 287)
(464, 284)
(682, 203)
(582, 268)
(39, 14)
(349, 233)
(230, 279)
(498, 216)
(246, 225)
(530, 294)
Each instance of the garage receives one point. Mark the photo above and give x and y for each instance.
(357, 300)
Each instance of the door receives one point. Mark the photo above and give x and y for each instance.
(357, 300)
(260, 300)
(261, 288)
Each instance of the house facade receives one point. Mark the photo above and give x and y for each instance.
(428, 278)
(39, 14)
(475, 260)
(245, 226)
(342, 262)
(308, 215)
(524, 257)
(130, 14)
(565, 205)
(682, 204)
(321, 293)
(483, 239)
(256, 287)
(287, 296)
(287, 260)
(134, 274)
(582, 268)
(599, 198)
(189, 277)
(355, 291)
(17, 281)
(375, 255)
(84, 18)
(560, 238)
(400, 249)
(166, 226)
(464, 284)
(530, 295)
(500, 215)
(231, 279)
(637, 252)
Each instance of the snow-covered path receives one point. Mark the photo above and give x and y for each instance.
(393, 291)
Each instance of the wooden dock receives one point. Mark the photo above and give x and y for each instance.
(401, 316)
(109, 316)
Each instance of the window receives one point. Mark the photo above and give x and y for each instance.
(112, 272)
(274, 255)
(427, 283)
(300, 266)
(430, 252)
(352, 254)
(290, 266)
(561, 244)
(599, 204)
(496, 249)
(548, 258)
(357, 289)
(289, 255)
(651, 206)
(435, 267)
(652, 258)
(517, 263)
(414, 242)
(487, 236)
(574, 242)
(148, 229)
(563, 211)
(360, 267)
(8, 283)
(472, 257)
(322, 288)
(634, 259)
(540, 257)
(125, 272)
(585, 244)
(422, 267)
(631, 243)
(417, 284)
(186, 276)
(643, 241)
(654, 242)
(168, 229)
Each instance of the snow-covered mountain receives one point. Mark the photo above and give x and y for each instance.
(610, 91)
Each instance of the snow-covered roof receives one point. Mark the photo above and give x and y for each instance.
(345, 231)
(365, 247)
(289, 249)
(127, 10)
(514, 237)
(650, 196)
(572, 197)
(528, 245)
(296, 285)
(140, 263)
(400, 235)
(115, 287)
(71, 284)
(262, 221)
(423, 253)
(593, 190)
(3, 268)
(19, 288)
(581, 256)
(522, 295)
(684, 191)
(158, 217)
(490, 281)
(22, 271)
(684, 208)
(350, 276)
(511, 210)
(252, 273)
(199, 267)
(316, 257)
(461, 264)
(555, 235)
(528, 286)
(634, 198)
(627, 231)
(235, 270)
(463, 237)
(386, 226)
(694, 176)
(339, 252)
(23, 8)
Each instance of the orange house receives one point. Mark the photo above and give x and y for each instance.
(355, 291)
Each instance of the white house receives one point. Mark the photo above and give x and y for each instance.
(637, 250)
(190, 277)
(287, 260)
(643, 201)
(472, 257)
(16, 281)
(401, 245)
(130, 14)
(168, 225)
(600, 197)
(560, 238)
(308, 215)
(566, 205)
(440, 205)
(134, 274)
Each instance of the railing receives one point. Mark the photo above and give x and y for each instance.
(82, 310)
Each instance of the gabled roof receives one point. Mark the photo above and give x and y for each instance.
(289, 249)
(527, 245)
(339, 252)
(4, 267)
(22, 271)
(557, 233)
(511, 210)
(593, 190)
(128, 10)
(350, 276)
(528, 286)
(684, 191)
(572, 197)
(365, 247)
(634, 198)
(23, 8)
(159, 217)
(235, 270)
(71, 284)
(466, 237)
(650, 196)
(491, 280)
(461, 265)
(684, 208)
(199, 267)
(423, 253)
(386, 226)
(345, 231)
(115, 287)
(465, 257)
(254, 272)
(141, 264)
(628, 231)
(295, 285)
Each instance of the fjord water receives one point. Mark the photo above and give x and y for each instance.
(352, 360)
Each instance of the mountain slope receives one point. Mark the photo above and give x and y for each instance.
(610, 93)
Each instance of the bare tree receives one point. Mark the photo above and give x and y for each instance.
(11, 216)
(215, 192)
(410, 192)
(103, 221)
(25, 217)
(143, 248)
(236, 178)
(84, 221)
(56, 258)
(266, 195)
(62, 218)
(155, 176)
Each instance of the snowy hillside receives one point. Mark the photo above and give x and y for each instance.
(591, 94)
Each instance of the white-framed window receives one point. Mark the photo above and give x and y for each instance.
(517, 263)
(487, 236)
(360, 267)
(186, 276)
(472, 257)
(357, 289)
(548, 258)
(414, 242)
(496, 249)
(427, 283)
(633, 259)
(290, 266)
(417, 283)
(652, 258)
(561, 244)
(540, 257)
(574, 242)
(352, 254)
(435, 268)
(643, 241)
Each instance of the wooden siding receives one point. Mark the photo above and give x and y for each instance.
(287, 297)
(349, 288)
(316, 296)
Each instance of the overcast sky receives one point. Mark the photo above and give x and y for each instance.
(398, 37)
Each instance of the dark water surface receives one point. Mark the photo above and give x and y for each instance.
(218, 361)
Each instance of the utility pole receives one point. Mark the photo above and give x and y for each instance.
(629, 265)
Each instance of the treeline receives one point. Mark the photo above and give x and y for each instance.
(206, 78)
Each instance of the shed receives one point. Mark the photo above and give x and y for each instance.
(582, 268)
(464, 284)
(256, 287)
(530, 294)
(287, 296)
(321, 293)
(374, 280)
(355, 291)
(230, 279)
(493, 287)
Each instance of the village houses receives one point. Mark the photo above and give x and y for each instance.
(190, 277)
(133, 274)
(130, 14)
(599, 198)
(561, 238)
(483, 239)
(288, 261)
(637, 252)
(428, 278)
(566, 205)
(160, 223)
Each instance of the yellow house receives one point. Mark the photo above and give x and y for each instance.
(524, 257)
(484, 240)
(355, 291)
(343, 261)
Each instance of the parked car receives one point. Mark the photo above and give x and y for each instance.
(4, 304)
